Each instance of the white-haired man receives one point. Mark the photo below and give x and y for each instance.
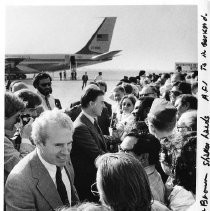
(44, 179)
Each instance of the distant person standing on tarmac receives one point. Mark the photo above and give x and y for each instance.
(98, 77)
(84, 80)
(64, 74)
(60, 73)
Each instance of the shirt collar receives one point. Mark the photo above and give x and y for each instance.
(149, 169)
(88, 116)
(50, 167)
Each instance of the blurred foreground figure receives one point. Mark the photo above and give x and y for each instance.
(123, 184)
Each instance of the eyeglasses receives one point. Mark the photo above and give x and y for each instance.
(175, 93)
(125, 150)
(180, 128)
(45, 84)
(93, 189)
(127, 104)
(145, 95)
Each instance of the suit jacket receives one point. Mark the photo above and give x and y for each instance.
(87, 145)
(30, 187)
(103, 120)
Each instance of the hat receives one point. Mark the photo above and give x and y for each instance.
(163, 111)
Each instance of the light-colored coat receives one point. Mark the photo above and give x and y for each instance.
(30, 187)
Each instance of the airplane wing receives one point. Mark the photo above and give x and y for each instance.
(106, 56)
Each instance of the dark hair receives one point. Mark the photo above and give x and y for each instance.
(123, 183)
(130, 97)
(39, 77)
(133, 80)
(144, 107)
(128, 88)
(186, 166)
(147, 143)
(13, 104)
(30, 98)
(183, 87)
(90, 95)
(119, 88)
(195, 73)
(190, 100)
(102, 83)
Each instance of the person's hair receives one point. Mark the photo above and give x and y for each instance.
(102, 83)
(147, 143)
(144, 107)
(13, 104)
(194, 86)
(165, 75)
(18, 86)
(90, 95)
(131, 97)
(122, 182)
(195, 73)
(128, 88)
(119, 88)
(41, 124)
(30, 98)
(161, 125)
(39, 77)
(180, 76)
(12, 84)
(186, 166)
(189, 118)
(183, 87)
(85, 206)
(133, 80)
(188, 99)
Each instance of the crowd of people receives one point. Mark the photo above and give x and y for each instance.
(136, 154)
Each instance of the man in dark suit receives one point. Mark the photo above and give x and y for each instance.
(44, 179)
(88, 143)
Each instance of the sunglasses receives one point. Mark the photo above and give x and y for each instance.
(175, 93)
(145, 95)
(180, 128)
(45, 84)
(127, 104)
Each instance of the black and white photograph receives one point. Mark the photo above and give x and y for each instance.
(106, 106)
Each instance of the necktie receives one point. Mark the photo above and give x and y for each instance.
(47, 103)
(97, 127)
(61, 187)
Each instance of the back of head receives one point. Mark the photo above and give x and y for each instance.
(147, 143)
(122, 182)
(189, 100)
(128, 88)
(183, 87)
(162, 115)
(144, 107)
(31, 99)
(90, 95)
(189, 119)
(49, 118)
(39, 77)
(19, 86)
(13, 104)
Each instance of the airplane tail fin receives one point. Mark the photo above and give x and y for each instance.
(100, 41)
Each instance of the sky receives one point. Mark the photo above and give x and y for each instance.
(151, 37)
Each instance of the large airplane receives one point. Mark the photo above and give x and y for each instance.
(95, 51)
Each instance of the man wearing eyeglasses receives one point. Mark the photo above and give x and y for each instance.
(42, 82)
(149, 91)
